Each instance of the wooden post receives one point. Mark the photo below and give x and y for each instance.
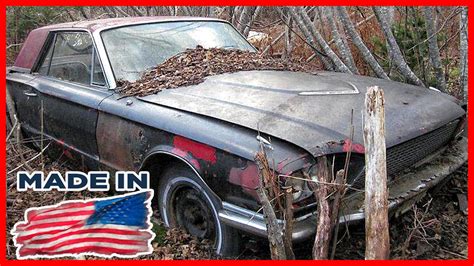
(376, 205)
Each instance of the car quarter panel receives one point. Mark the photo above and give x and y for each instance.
(130, 130)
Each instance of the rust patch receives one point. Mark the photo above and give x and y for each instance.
(198, 150)
(356, 147)
(246, 177)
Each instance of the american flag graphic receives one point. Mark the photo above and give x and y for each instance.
(116, 226)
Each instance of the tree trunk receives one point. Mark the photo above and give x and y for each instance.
(323, 230)
(137, 11)
(83, 12)
(463, 51)
(120, 10)
(249, 24)
(307, 35)
(340, 66)
(342, 47)
(288, 39)
(433, 48)
(376, 195)
(236, 15)
(395, 51)
(288, 235)
(244, 18)
(274, 229)
(359, 43)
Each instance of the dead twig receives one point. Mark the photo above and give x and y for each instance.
(30, 160)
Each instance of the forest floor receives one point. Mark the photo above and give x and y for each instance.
(435, 228)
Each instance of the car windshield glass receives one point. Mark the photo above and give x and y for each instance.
(133, 49)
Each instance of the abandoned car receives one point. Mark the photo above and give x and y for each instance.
(199, 142)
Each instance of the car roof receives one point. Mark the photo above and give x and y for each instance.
(33, 44)
(100, 24)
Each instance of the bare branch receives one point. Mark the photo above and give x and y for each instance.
(463, 47)
(395, 51)
(359, 43)
(433, 48)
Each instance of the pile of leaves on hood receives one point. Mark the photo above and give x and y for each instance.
(193, 65)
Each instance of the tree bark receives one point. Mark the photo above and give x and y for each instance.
(340, 66)
(83, 12)
(120, 10)
(376, 196)
(137, 11)
(236, 15)
(288, 235)
(244, 18)
(359, 43)
(288, 39)
(397, 56)
(274, 229)
(342, 47)
(307, 35)
(433, 48)
(463, 50)
(252, 19)
(323, 230)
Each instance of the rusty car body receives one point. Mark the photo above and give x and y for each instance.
(199, 142)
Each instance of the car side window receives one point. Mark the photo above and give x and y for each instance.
(72, 57)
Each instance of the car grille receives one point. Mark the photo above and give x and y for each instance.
(404, 155)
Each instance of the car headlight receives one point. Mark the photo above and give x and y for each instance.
(299, 186)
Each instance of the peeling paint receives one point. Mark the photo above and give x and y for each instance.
(246, 177)
(358, 148)
(198, 150)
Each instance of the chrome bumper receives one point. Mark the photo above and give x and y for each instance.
(403, 193)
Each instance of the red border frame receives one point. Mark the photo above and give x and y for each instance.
(3, 261)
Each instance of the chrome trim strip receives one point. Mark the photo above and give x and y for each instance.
(345, 92)
(254, 223)
(95, 44)
(104, 60)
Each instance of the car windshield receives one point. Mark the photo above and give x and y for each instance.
(133, 49)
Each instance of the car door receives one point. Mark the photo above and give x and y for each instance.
(25, 99)
(71, 85)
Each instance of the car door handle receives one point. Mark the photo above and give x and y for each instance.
(30, 94)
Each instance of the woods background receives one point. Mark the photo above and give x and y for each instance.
(425, 46)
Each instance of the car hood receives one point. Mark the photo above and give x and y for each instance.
(312, 111)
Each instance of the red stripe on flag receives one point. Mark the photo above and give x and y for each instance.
(63, 206)
(20, 239)
(93, 240)
(94, 249)
(59, 215)
(88, 231)
(46, 225)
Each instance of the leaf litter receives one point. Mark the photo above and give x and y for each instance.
(192, 66)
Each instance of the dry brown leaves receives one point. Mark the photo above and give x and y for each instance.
(193, 65)
(179, 245)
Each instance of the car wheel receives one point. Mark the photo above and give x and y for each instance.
(185, 202)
